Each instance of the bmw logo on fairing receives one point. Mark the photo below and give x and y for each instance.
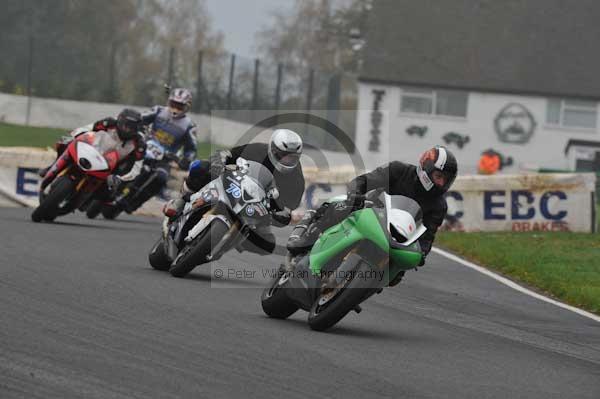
(250, 210)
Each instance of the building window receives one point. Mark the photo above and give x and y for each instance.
(434, 102)
(572, 113)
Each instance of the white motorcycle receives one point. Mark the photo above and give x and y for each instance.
(216, 219)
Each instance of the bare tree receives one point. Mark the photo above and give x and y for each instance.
(315, 33)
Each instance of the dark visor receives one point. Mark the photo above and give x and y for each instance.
(176, 105)
(286, 158)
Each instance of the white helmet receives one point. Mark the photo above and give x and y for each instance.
(285, 148)
(180, 102)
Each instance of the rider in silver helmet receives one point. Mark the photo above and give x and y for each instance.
(281, 155)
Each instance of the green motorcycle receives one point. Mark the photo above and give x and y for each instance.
(350, 262)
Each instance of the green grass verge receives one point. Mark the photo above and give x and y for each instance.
(563, 265)
(27, 136)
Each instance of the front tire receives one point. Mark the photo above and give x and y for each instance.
(275, 303)
(49, 207)
(356, 291)
(196, 252)
(158, 257)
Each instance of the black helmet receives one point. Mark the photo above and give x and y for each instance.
(129, 123)
(437, 170)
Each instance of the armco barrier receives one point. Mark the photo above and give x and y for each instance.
(530, 202)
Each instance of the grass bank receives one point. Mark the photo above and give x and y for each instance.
(27, 136)
(562, 265)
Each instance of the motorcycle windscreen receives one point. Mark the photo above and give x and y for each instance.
(252, 192)
(260, 174)
(404, 219)
(154, 150)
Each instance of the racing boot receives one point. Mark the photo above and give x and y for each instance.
(397, 279)
(42, 171)
(174, 207)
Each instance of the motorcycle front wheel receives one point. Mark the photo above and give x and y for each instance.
(49, 207)
(325, 316)
(196, 252)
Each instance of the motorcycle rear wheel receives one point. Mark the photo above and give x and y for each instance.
(275, 303)
(110, 212)
(48, 208)
(93, 209)
(158, 257)
(196, 252)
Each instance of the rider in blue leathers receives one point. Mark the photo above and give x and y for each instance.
(174, 130)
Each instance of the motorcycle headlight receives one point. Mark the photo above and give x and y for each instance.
(85, 163)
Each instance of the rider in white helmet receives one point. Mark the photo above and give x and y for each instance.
(281, 156)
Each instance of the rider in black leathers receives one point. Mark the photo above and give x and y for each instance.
(426, 183)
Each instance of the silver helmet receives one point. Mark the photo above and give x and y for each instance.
(180, 102)
(285, 148)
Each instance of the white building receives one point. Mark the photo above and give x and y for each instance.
(518, 77)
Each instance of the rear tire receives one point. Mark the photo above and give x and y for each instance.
(195, 253)
(94, 209)
(275, 303)
(110, 212)
(355, 292)
(158, 257)
(48, 209)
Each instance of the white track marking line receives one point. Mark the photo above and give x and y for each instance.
(514, 285)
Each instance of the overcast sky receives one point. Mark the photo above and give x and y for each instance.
(239, 20)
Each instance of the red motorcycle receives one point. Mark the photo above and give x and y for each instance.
(81, 170)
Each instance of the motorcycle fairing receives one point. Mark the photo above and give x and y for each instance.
(371, 224)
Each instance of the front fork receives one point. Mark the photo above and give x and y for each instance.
(58, 168)
(222, 245)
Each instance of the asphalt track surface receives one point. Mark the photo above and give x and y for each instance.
(83, 315)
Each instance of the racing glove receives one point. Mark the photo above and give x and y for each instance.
(355, 200)
(282, 218)
(217, 162)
